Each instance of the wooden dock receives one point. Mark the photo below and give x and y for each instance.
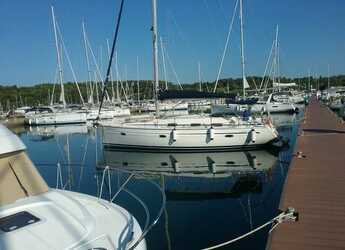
(315, 185)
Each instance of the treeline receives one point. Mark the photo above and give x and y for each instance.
(41, 94)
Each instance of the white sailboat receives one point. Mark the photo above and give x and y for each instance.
(34, 216)
(192, 132)
(61, 115)
(275, 102)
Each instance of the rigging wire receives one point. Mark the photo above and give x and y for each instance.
(111, 57)
(226, 46)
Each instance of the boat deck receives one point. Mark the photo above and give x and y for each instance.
(315, 185)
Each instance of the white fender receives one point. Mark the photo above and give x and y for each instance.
(253, 135)
(211, 133)
(174, 134)
(176, 166)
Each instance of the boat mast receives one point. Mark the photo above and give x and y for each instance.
(155, 53)
(62, 95)
(111, 76)
(329, 84)
(117, 79)
(199, 73)
(88, 65)
(245, 83)
(138, 81)
(276, 77)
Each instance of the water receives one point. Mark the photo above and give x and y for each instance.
(211, 197)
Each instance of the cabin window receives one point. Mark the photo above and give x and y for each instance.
(195, 124)
(16, 221)
(230, 162)
(172, 124)
(229, 136)
(162, 136)
(164, 164)
(122, 133)
(125, 163)
(217, 124)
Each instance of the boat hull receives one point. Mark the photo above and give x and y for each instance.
(191, 140)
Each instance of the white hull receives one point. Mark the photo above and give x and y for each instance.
(278, 107)
(56, 118)
(165, 106)
(92, 114)
(272, 107)
(195, 136)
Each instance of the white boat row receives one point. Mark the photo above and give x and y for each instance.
(51, 116)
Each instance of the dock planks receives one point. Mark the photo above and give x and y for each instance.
(315, 185)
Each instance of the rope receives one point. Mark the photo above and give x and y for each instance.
(289, 214)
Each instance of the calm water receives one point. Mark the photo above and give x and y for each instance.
(211, 197)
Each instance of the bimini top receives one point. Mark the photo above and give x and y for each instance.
(9, 142)
(19, 177)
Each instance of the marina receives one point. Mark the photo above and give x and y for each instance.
(174, 125)
(245, 183)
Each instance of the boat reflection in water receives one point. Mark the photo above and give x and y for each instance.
(199, 175)
(58, 130)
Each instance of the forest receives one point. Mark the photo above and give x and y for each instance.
(12, 96)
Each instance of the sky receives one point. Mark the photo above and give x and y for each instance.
(311, 36)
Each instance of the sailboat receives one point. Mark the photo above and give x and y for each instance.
(34, 216)
(187, 133)
(275, 102)
(60, 114)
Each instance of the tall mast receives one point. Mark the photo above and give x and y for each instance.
(88, 65)
(245, 83)
(199, 73)
(276, 58)
(309, 79)
(111, 76)
(138, 81)
(62, 95)
(155, 53)
(329, 84)
(117, 78)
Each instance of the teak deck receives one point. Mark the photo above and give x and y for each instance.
(315, 185)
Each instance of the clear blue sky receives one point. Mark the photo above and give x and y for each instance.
(312, 35)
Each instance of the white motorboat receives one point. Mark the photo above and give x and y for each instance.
(267, 104)
(192, 133)
(273, 106)
(289, 96)
(34, 216)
